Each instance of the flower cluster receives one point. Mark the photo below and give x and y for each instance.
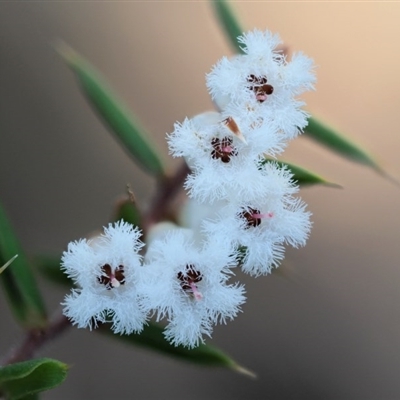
(242, 209)
(250, 198)
(178, 280)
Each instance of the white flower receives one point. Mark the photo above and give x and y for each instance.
(223, 165)
(221, 137)
(108, 275)
(260, 227)
(189, 286)
(263, 84)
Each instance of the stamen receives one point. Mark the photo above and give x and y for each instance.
(223, 149)
(253, 216)
(266, 215)
(114, 282)
(112, 279)
(261, 97)
(227, 149)
(197, 295)
(188, 281)
(260, 87)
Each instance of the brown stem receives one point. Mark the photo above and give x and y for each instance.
(166, 191)
(35, 339)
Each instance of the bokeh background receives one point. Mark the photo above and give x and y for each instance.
(328, 327)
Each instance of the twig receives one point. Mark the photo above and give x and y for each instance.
(166, 191)
(35, 339)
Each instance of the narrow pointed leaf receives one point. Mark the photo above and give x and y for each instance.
(338, 143)
(8, 263)
(229, 23)
(23, 380)
(122, 124)
(302, 176)
(18, 281)
(152, 337)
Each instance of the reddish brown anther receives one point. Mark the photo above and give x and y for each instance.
(111, 279)
(251, 215)
(260, 87)
(223, 149)
(189, 278)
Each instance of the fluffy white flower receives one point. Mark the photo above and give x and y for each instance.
(108, 275)
(189, 286)
(220, 137)
(260, 227)
(262, 83)
(223, 165)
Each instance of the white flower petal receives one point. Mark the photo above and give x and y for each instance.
(189, 286)
(109, 274)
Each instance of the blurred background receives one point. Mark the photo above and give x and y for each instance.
(328, 327)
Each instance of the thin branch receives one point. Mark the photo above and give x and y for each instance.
(35, 339)
(166, 192)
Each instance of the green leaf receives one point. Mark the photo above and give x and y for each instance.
(34, 396)
(152, 337)
(123, 125)
(49, 267)
(302, 176)
(29, 377)
(128, 211)
(8, 263)
(333, 140)
(18, 281)
(228, 22)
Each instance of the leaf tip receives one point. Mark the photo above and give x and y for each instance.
(8, 263)
(65, 51)
(386, 175)
(244, 371)
(332, 185)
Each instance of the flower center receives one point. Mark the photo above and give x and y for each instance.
(253, 217)
(111, 279)
(188, 281)
(223, 149)
(258, 84)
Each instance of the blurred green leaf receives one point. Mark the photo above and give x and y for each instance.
(229, 23)
(26, 378)
(302, 176)
(18, 282)
(152, 337)
(340, 144)
(49, 267)
(8, 263)
(34, 396)
(128, 211)
(116, 116)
